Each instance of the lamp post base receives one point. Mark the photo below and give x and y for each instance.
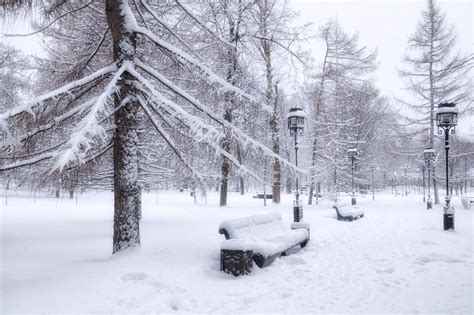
(297, 213)
(353, 200)
(448, 220)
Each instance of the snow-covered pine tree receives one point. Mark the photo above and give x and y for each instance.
(344, 77)
(275, 36)
(105, 108)
(434, 74)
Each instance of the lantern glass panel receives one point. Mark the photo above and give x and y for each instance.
(293, 121)
(300, 121)
(455, 119)
(446, 119)
(352, 153)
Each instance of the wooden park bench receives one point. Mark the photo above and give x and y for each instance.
(260, 238)
(348, 212)
(263, 196)
(467, 202)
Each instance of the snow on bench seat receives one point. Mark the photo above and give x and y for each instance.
(270, 245)
(346, 212)
(467, 201)
(267, 236)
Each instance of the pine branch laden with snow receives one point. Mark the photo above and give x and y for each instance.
(89, 130)
(125, 103)
(204, 71)
(213, 135)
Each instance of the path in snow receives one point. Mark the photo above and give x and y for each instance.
(56, 258)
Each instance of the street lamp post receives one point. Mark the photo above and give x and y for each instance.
(352, 154)
(296, 125)
(428, 153)
(446, 120)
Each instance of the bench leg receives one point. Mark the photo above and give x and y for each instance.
(236, 262)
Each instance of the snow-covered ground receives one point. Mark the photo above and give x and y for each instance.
(56, 257)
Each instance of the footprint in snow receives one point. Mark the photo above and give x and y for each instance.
(429, 243)
(386, 270)
(174, 303)
(425, 260)
(295, 260)
(134, 276)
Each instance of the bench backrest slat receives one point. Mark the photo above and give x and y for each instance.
(253, 228)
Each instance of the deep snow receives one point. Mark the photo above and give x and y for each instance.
(56, 257)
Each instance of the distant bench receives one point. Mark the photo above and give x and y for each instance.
(259, 238)
(467, 202)
(263, 196)
(348, 212)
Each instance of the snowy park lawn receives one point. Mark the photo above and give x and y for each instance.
(56, 257)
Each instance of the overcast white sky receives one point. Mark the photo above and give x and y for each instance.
(382, 24)
(385, 25)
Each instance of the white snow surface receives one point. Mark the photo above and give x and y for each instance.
(56, 257)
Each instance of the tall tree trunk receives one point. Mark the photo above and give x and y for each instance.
(435, 187)
(230, 103)
(310, 195)
(276, 191)
(319, 103)
(432, 100)
(271, 99)
(313, 165)
(241, 177)
(127, 199)
(225, 169)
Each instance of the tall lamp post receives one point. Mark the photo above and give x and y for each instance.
(446, 120)
(296, 125)
(352, 154)
(428, 153)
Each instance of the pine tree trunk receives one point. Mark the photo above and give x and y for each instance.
(310, 196)
(313, 165)
(436, 192)
(127, 199)
(225, 166)
(224, 181)
(318, 191)
(241, 177)
(230, 104)
(276, 188)
(435, 186)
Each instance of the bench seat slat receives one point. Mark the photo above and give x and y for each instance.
(268, 246)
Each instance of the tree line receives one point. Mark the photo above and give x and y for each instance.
(140, 95)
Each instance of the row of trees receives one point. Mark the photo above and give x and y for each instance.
(150, 95)
(348, 112)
